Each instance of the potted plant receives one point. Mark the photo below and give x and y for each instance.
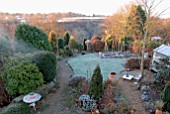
(95, 111)
(133, 110)
(159, 106)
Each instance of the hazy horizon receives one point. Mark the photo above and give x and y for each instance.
(97, 7)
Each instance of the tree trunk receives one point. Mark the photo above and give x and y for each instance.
(144, 44)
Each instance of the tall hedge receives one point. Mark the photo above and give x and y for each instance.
(33, 37)
(46, 62)
(96, 84)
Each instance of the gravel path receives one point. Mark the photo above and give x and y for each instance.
(57, 101)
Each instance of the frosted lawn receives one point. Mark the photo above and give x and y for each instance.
(83, 65)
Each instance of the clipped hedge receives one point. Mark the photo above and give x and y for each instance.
(33, 37)
(18, 108)
(23, 78)
(46, 62)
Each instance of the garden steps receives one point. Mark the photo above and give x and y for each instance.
(132, 95)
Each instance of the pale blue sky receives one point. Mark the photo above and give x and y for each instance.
(87, 7)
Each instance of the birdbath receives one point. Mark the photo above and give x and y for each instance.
(32, 98)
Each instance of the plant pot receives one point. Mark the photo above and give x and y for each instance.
(95, 112)
(158, 112)
(113, 77)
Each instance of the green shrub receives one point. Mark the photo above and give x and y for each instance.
(66, 38)
(46, 62)
(61, 43)
(96, 84)
(16, 59)
(33, 37)
(80, 47)
(5, 48)
(61, 52)
(18, 108)
(22, 78)
(166, 97)
(68, 51)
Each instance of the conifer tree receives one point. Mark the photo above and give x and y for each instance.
(66, 38)
(53, 40)
(96, 84)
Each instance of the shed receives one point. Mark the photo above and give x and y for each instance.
(162, 51)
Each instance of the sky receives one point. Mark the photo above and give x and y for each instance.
(87, 7)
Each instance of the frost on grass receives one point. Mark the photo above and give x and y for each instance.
(84, 65)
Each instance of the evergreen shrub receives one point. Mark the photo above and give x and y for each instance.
(96, 84)
(46, 62)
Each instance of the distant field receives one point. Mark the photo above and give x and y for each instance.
(84, 65)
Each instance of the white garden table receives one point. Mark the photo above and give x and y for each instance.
(127, 77)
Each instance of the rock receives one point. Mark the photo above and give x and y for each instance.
(145, 93)
(18, 99)
(145, 88)
(144, 97)
(52, 84)
(149, 106)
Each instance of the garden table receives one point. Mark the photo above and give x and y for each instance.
(127, 77)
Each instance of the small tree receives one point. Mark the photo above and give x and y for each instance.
(166, 97)
(61, 43)
(53, 40)
(96, 84)
(66, 38)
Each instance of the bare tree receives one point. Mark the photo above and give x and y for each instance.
(149, 7)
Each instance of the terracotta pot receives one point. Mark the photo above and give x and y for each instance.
(158, 112)
(132, 112)
(113, 77)
(92, 112)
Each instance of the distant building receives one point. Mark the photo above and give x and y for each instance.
(80, 19)
(162, 51)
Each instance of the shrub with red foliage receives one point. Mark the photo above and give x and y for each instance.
(97, 44)
(4, 97)
(134, 63)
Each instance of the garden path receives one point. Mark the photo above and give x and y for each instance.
(132, 94)
(56, 102)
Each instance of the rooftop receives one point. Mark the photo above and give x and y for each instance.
(163, 49)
